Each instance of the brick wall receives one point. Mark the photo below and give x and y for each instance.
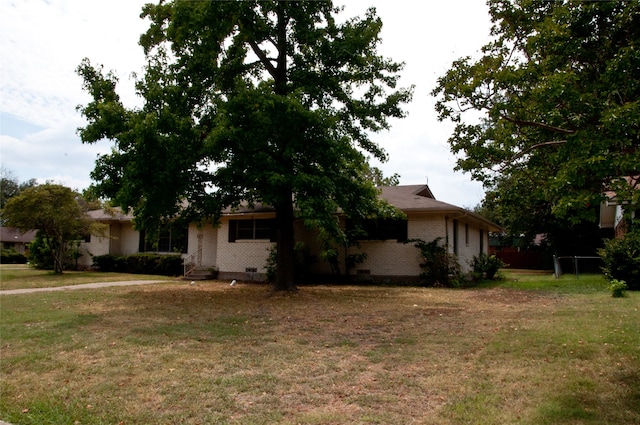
(242, 256)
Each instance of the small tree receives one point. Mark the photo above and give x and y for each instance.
(54, 211)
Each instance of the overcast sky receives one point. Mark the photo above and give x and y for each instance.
(43, 41)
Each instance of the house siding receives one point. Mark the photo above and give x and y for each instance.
(205, 236)
(120, 239)
(246, 259)
(239, 259)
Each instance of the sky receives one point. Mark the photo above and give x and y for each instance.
(43, 41)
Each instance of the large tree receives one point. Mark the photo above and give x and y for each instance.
(265, 102)
(548, 117)
(56, 212)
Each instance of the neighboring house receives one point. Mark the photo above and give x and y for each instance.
(612, 210)
(239, 246)
(12, 238)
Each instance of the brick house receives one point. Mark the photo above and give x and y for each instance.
(12, 238)
(239, 246)
(613, 209)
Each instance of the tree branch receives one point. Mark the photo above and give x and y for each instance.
(263, 58)
(527, 150)
(537, 124)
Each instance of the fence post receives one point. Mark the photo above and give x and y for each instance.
(556, 267)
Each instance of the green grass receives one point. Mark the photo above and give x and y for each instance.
(546, 281)
(531, 351)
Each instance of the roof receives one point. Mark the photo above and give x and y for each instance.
(110, 214)
(420, 199)
(11, 234)
(409, 199)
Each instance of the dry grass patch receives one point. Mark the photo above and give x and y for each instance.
(211, 353)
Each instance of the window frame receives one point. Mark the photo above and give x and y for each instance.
(383, 229)
(170, 240)
(260, 229)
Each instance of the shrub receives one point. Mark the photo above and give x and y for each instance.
(617, 288)
(165, 265)
(109, 263)
(439, 268)
(11, 256)
(40, 253)
(486, 266)
(621, 258)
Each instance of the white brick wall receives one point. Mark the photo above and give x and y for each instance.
(392, 258)
(384, 258)
(129, 240)
(236, 257)
(120, 239)
(209, 243)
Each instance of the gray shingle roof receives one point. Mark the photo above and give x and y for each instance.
(420, 199)
(11, 234)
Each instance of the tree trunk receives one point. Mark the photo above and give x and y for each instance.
(285, 274)
(57, 254)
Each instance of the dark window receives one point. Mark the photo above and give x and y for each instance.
(455, 237)
(466, 234)
(382, 230)
(252, 229)
(481, 241)
(173, 238)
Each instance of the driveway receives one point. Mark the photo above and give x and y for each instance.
(83, 286)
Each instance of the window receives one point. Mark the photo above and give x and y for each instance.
(481, 241)
(252, 229)
(173, 238)
(466, 234)
(382, 230)
(455, 237)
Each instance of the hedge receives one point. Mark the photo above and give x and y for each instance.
(11, 256)
(165, 265)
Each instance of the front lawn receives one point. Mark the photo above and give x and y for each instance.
(14, 276)
(211, 353)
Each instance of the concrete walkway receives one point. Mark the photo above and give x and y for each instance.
(82, 286)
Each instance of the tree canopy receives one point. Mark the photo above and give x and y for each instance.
(264, 102)
(55, 211)
(548, 117)
(10, 186)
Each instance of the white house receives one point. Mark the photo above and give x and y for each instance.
(238, 247)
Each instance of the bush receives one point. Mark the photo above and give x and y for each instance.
(40, 253)
(11, 256)
(617, 288)
(165, 265)
(109, 263)
(439, 268)
(486, 266)
(621, 259)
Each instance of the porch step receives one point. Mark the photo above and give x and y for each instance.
(200, 274)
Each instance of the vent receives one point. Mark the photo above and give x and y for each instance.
(251, 270)
(364, 271)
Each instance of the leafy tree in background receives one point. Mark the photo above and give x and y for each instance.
(10, 186)
(55, 212)
(556, 97)
(256, 101)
